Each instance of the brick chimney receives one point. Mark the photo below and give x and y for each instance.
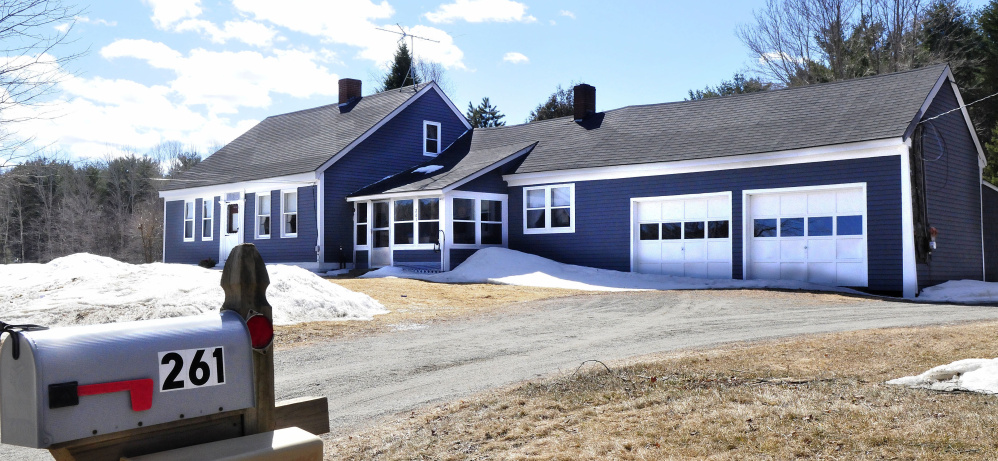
(349, 89)
(585, 100)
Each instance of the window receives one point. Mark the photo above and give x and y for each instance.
(717, 229)
(289, 213)
(464, 221)
(819, 226)
(207, 218)
(429, 220)
(791, 227)
(188, 221)
(421, 215)
(361, 223)
(672, 231)
(263, 215)
(764, 228)
(431, 138)
(478, 221)
(850, 225)
(491, 222)
(549, 209)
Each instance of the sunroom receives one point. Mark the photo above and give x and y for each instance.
(434, 216)
(432, 233)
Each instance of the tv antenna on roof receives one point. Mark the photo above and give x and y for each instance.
(412, 52)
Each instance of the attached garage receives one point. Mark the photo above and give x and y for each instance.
(812, 234)
(687, 235)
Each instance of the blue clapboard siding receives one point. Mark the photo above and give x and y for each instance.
(415, 257)
(492, 181)
(394, 147)
(458, 256)
(990, 204)
(361, 260)
(277, 249)
(176, 249)
(953, 195)
(603, 218)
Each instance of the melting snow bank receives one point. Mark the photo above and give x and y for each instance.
(511, 267)
(83, 289)
(973, 375)
(962, 291)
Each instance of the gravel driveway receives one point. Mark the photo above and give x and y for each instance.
(367, 378)
(371, 377)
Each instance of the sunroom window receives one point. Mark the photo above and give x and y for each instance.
(422, 215)
(477, 221)
(549, 208)
(361, 224)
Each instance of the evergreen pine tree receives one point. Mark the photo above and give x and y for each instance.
(485, 115)
(400, 73)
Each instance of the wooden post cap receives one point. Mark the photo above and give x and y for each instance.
(245, 281)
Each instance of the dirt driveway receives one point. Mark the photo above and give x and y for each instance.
(368, 377)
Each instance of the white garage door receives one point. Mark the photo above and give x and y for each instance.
(816, 236)
(684, 235)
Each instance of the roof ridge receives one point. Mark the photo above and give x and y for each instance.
(417, 87)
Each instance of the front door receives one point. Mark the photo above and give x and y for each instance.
(381, 252)
(231, 227)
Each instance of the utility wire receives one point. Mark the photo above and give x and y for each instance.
(959, 108)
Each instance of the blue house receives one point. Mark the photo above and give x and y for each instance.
(872, 183)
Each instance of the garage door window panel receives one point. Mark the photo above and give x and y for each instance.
(792, 227)
(819, 227)
(717, 229)
(693, 230)
(850, 225)
(672, 231)
(649, 232)
(764, 228)
(684, 236)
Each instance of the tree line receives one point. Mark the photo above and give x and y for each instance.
(51, 207)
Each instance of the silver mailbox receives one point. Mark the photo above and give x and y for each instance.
(76, 382)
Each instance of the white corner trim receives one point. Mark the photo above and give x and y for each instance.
(982, 159)
(866, 149)
(243, 187)
(320, 216)
(909, 272)
(460, 115)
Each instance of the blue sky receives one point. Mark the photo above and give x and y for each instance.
(203, 71)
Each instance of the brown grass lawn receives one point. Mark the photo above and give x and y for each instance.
(414, 302)
(812, 397)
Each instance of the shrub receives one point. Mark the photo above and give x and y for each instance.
(208, 263)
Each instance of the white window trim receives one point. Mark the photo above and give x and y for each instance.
(731, 224)
(415, 223)
(211, 206)
(193, 220)
(283, 212)
(547, 229)
(270, 213)
(477, 198)
(747, 224)
(439, 138)
(357, 223)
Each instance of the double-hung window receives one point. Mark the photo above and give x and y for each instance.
(486, 220)
(289, 214)
(417, 221)
(431, 138)
(263, 215)
(549, 209)
(189, 221)
(207, 218)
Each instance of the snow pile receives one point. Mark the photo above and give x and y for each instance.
(973, 375)
(511, 267)
(83, 289)
(428, 169)
(962, 291)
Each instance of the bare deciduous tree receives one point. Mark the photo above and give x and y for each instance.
(28, 68)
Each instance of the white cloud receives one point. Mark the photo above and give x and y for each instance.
(481, 11)
(224, 81)
(515, 58)
(167, 12)
(246, 31)
(567, 14)
(354, 23)
(64, 27)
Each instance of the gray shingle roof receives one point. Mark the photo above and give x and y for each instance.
(292, 143)
(856, 110)
(461, 160)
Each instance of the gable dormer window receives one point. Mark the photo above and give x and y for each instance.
(431, 138)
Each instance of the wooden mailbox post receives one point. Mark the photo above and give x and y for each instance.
(245, 281)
